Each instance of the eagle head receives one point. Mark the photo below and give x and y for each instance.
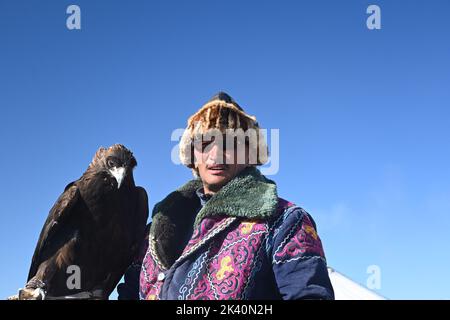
(117, 161)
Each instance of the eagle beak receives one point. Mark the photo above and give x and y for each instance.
(119, 174)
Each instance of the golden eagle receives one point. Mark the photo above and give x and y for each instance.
(92, 232)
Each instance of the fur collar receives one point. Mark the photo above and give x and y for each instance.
(249, 195)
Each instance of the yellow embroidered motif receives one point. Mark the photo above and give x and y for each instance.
(151, 297)
(311, 231)
(225, 265)
(247, 227)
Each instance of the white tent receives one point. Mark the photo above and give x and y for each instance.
(346, 289)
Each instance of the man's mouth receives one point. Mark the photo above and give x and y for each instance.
(217, 169)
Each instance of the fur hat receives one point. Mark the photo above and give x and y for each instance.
(222, 113)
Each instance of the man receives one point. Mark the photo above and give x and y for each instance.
(227, 234)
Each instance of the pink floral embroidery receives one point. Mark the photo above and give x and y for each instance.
(148, 281)
(202, 291)
(302, 241)
(231, 262)
(206, 226)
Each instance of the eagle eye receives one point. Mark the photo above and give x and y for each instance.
(111, 163)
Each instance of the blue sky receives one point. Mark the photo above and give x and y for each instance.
(364, 116)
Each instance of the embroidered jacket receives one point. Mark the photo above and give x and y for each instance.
(246, 244)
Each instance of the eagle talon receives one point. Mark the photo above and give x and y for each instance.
(14, 297)
(31, 294)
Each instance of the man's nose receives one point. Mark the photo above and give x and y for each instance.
(216, 155)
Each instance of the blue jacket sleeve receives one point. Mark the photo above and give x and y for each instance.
(298, 259)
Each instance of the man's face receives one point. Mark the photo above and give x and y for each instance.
(217, 163)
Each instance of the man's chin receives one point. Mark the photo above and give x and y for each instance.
(215, 182)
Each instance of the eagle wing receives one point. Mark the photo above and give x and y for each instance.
(47, 244)
(140, 224)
